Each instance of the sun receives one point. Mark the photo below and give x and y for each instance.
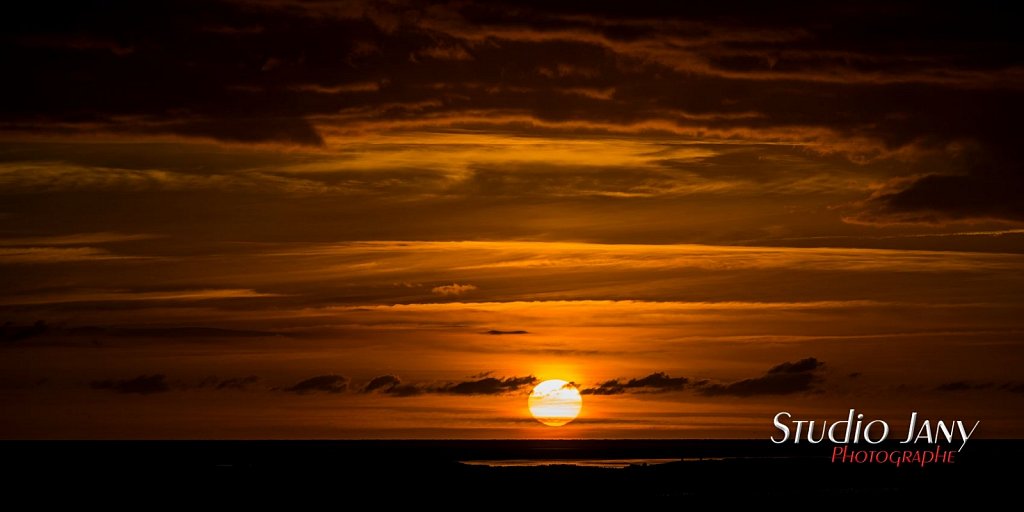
(555, 402)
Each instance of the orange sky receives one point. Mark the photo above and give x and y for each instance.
(386, 220)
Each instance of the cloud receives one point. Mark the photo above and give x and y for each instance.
(488, 386)
(804, 365)
(287, 130)
(785, 379)
(75, 239)
(648, 55)
(10, 332)
(597, 94)
(658, 72)
(130, 296)
(497, 332)
(963, 385)
(452, 290)
(356, 87)
(444, 52)
(237, 383)
(392, 385)
(50, 255)
(975, 179)
(217, 384)
(383, 383)
(658, 382)
(143, 385)
(571, 256)
(321, 384)
(756, 44)
(167, 332)
(938, 199)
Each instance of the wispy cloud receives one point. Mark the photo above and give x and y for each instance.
(74, 239)
(452, 290)
(44, 255)
(132, 296)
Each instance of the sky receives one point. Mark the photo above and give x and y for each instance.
(391, 219)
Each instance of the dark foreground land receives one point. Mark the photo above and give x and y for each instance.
(311, 471)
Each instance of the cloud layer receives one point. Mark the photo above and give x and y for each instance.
(919, 87)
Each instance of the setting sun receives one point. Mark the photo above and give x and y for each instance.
(555, 402)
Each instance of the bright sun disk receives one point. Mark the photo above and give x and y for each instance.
(555, 402)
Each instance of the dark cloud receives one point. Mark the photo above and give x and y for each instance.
(954, 386)
(544, 180)
(962, 385)
(483, 385)
(237, 383)
(785, 379)
(488, 386)
(497, 332)
(938, 199)
(158, 383)
(143, 385)
(291, 130)
(392, 385)
(984, 180)
(654, 383)
(382, 383)
(164, 67)
(802, 366)
(10, 332)
(321, 384)
(404, 390)
(165, 332)
(252, 72)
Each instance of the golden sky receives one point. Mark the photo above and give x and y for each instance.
(265, 219)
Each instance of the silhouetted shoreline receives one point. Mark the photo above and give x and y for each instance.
(704, 469)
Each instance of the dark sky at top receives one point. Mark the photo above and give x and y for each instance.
(862, 78)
